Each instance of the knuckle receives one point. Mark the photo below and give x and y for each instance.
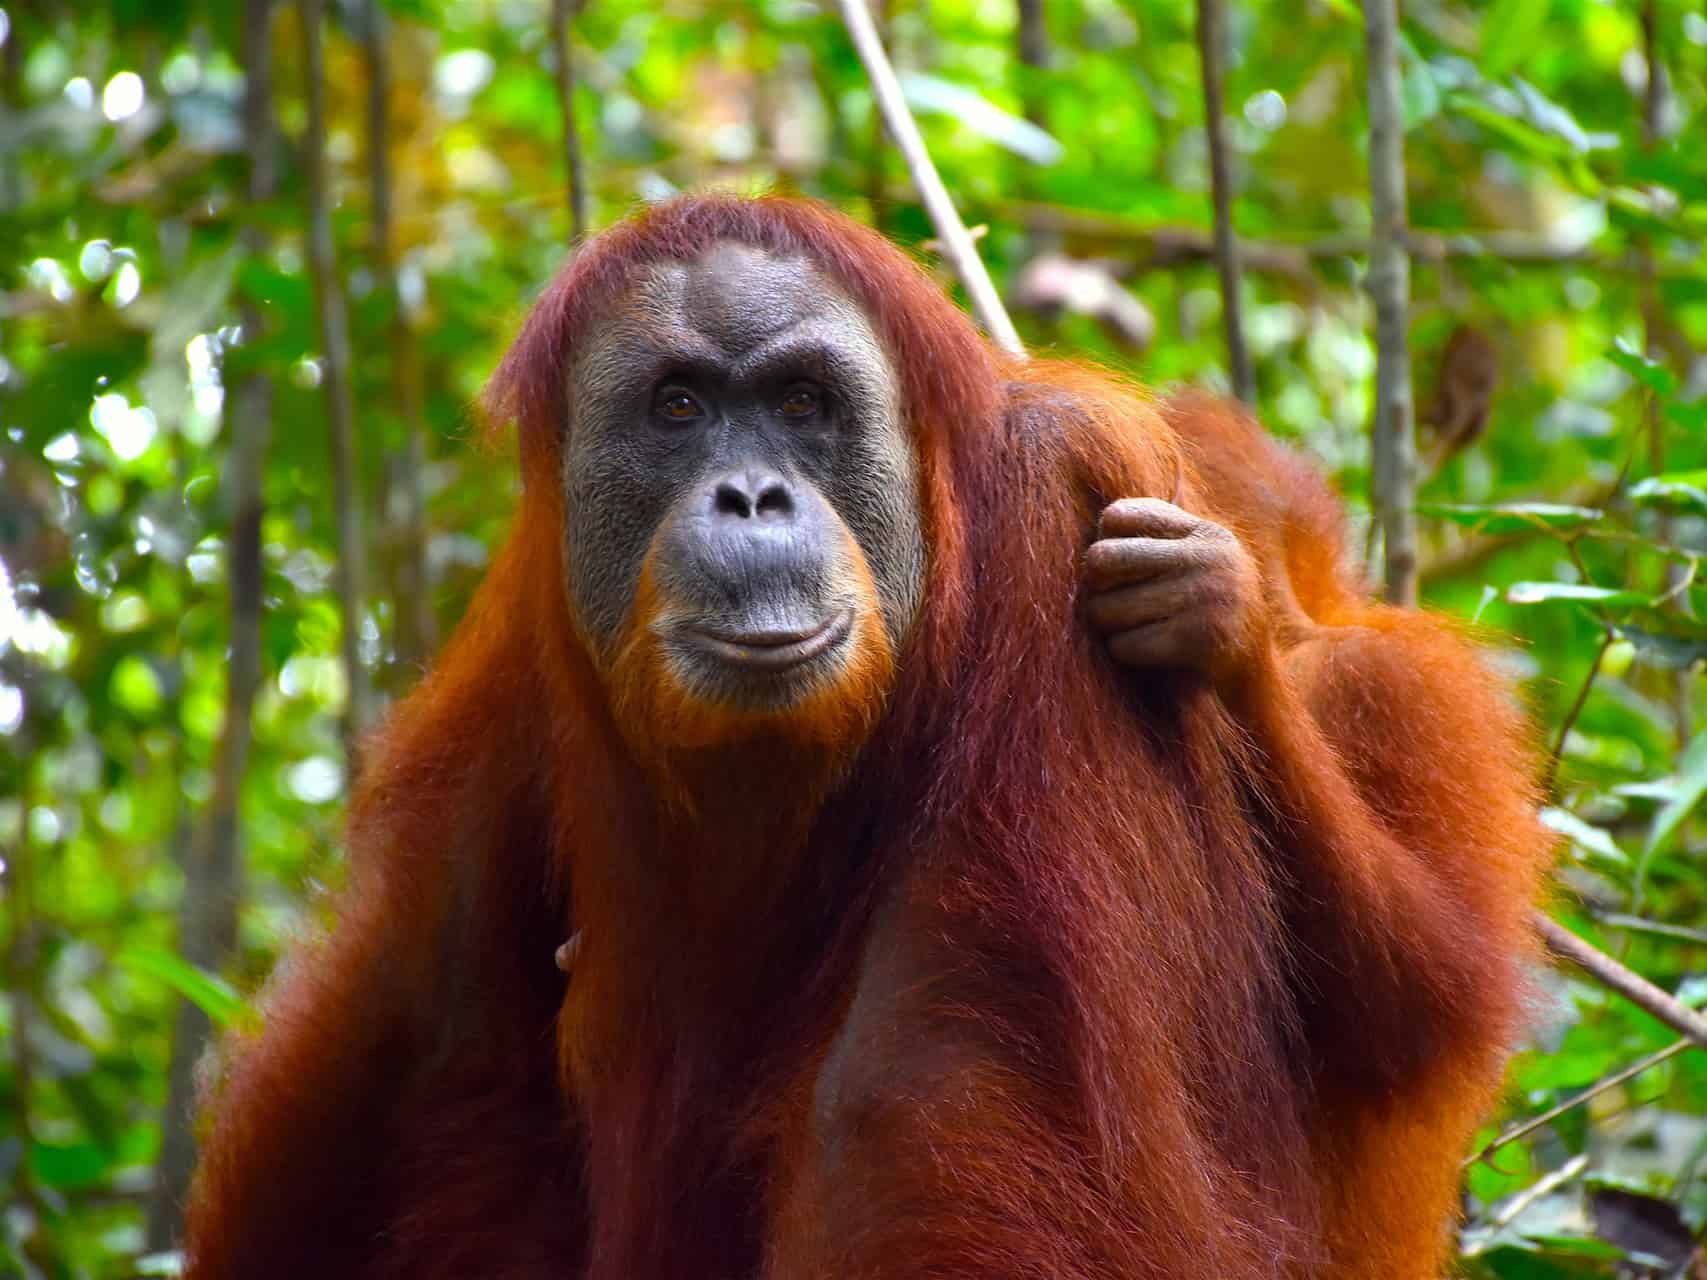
(1140, 513)
(1122, 510)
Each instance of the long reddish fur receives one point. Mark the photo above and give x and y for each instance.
(1068, 972)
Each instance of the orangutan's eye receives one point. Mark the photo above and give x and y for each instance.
(677, 405)
(800, 401)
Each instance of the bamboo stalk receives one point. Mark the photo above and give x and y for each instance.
(956, 243)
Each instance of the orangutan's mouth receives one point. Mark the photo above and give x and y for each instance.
(772, 649)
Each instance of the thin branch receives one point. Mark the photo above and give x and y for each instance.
(957, 245)
(1653, 94)
(1211, 48)
(1557, 753)
(1153, 246)
(574, 173)
(1552, 1113)
(1542, 1186)
(1393, 444)
(1477, 549)
(349, 569)
(1653, 928)
(1625, 981)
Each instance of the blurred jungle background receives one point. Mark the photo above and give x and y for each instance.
(256, 259)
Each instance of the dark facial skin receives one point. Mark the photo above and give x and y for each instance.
(735, 418)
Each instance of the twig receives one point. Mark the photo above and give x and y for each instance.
(1625, 981)
(1557, 753)
(1529, 1195)
(1157, 246)
(1479, 548)
(1655, 928)
(1211, 43)
(1552, 1113)
(957, 246)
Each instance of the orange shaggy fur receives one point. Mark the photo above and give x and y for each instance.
(1000, 961)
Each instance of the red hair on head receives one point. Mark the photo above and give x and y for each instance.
(1070, 970)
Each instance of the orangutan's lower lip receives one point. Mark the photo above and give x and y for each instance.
(774, 650)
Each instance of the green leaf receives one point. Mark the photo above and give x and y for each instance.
(212, 995)
(1509, 30)
(1650, 373)
(1590, 840)
(1518, 132)
(1668, 650)
(193, 304)
(1574, 593)
(135, 686)
(1691, 417)
(70, 1168)
(1419, 92)
(1684, 491)
(977, 113)
(1513, 517)
(1576, 1246)
(1688, 785)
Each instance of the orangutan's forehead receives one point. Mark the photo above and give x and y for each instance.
(736, 298)
(732, 306)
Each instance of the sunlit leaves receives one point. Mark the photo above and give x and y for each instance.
(1649, 372)
(1683, 792)
(1508, 32)
(1589, 841)
(1684, 491)
(1575, 593)
(126, 274)
(1513, 517)
(213, 996)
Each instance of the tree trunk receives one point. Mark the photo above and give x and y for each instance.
(417, 627)
(563, 41)
(1033, 56)
(1211, 48)
(876, 189)
(207, 920)
(1394, 438)
(349, 572)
